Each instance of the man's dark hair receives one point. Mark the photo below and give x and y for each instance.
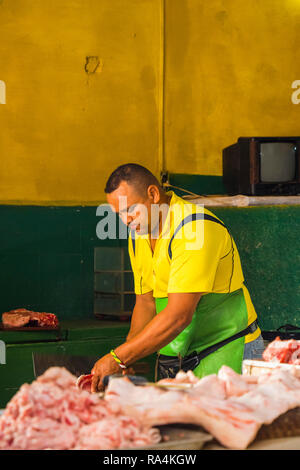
(134, 174)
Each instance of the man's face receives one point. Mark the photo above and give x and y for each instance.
(133, 209)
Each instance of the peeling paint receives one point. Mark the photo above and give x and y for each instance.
(2, 92)
(92, 64)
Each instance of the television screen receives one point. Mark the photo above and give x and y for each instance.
(277, 162)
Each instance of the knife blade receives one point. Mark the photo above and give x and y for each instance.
(84, 382)
(76, 364)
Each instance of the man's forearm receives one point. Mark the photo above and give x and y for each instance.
(162, 329)
(157, 333)
(142, 314)
(136, 327)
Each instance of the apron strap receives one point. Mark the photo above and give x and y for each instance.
(250, 329)
(202, 354)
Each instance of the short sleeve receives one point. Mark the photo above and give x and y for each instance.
(142, 272)
(195, 255)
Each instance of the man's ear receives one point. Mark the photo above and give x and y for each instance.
(153, 193)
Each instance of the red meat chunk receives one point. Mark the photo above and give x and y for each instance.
(287, 351)
(22, 317)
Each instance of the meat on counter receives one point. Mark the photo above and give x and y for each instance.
(229, 406)
(51, 413)
(22, 317)
(283, 351)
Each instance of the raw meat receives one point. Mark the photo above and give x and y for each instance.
(209, 385)
(235, 385)
(51, 413)
(84, 382)
(115, 434)
(182, 377)
(233, 414)
(22, 317)
(15, 318)
(283, 351)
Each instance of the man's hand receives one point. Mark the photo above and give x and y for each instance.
(106, 366)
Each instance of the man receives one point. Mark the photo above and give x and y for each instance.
(191, 303)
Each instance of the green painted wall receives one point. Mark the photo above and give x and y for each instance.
(269, 245)
(198, 184)
(47, 259)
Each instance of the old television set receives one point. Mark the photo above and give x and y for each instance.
(260, 166)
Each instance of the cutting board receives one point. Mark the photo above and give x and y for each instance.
(28, 328)
(285, 443)
(282, 434)
(179, 437)
(258, 367)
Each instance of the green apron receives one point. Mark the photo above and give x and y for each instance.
(217, 317)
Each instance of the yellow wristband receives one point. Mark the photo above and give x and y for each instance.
(121, 364)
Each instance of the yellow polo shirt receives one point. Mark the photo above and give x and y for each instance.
(194, 253)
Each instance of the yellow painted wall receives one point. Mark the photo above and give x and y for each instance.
(63, 127)
(228, 70)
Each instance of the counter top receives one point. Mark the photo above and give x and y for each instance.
(68, 330)
(284, 443)
(241, 200)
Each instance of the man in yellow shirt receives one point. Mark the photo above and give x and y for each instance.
(192, 306)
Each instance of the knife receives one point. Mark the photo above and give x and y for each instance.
(141, 381)
(77, 365)
(84, 382)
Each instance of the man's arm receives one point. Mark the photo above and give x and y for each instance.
(162, 329)
(143, 312)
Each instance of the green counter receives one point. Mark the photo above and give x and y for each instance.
(82, 338)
